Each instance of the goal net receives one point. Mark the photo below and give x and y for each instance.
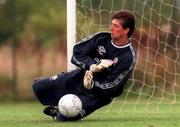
(156, 78)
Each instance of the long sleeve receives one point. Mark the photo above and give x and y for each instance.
(83, 53)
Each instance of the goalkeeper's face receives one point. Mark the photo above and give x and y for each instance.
(117, 31)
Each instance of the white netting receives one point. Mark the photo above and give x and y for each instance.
(156, 79)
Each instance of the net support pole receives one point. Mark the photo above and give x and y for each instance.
(71, 31)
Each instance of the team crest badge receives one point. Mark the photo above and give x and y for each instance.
(101, 50)
(115, 60)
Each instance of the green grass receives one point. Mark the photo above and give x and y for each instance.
(30, 114)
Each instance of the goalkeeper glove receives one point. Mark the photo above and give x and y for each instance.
(104, 63)
(88, 82)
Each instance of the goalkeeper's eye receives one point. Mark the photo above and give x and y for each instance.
(116, 24)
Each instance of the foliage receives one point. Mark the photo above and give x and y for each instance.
(13, 16)
(43, 19)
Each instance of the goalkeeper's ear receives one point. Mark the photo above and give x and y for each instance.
(126, 30)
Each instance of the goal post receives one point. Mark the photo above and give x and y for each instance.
(71, 31)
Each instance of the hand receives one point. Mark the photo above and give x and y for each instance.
(104, 63)
(88, 82)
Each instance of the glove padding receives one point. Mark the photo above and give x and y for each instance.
(88, 82)
(104, 63)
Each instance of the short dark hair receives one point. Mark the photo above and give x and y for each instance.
(128, 20)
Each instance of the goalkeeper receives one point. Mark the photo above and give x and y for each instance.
(105, 60)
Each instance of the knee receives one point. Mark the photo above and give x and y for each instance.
(42, 85)
(35, 86)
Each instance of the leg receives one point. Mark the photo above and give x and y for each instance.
(49, 90)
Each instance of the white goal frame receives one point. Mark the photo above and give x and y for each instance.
(71, 31)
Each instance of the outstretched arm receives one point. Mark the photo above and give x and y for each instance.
(83, 53)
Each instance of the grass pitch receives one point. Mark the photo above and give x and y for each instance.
(30, 114)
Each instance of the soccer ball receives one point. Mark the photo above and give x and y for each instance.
(70, 105)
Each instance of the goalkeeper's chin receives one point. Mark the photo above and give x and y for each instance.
(114, 37)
